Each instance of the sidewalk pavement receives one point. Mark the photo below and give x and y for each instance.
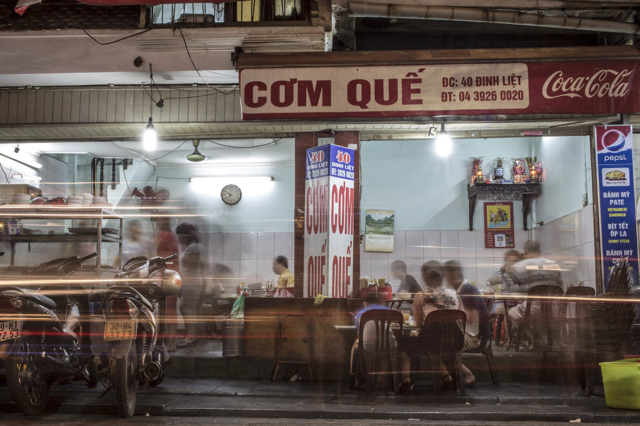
(306, 400)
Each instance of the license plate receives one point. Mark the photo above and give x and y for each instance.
(9, 330)
(120, 330)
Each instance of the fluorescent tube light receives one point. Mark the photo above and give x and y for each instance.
(20, 159)
(232, 178)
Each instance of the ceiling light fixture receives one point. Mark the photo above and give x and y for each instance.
(443, 143)
(234, 178)
(195, 156)
(150, 137)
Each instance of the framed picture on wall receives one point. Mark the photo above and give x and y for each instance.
(498, 225)
(379, 231)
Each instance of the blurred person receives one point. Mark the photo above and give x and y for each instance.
(373, 301)
(192, 268)
(167, 244)
(281, 268)
(501, 276)
(475, 308)
(532, 271)
(407, 282)
(215, 295)
(435, 297)
(135, 243)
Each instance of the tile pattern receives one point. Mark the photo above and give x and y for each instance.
(54, 177)
(250, 254)
(569, 241)
(420, 246)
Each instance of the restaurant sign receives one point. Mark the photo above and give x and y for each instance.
(616, 197)
(328, 221)
(581, 87)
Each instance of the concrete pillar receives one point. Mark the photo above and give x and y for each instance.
(304, 141)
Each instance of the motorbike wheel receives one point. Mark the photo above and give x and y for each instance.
(157, 381)
(127, 382)
(90, 374)
(28, 386)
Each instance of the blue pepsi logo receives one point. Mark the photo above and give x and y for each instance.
(613, 140)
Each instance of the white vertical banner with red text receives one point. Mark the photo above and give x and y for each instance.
(329, 215)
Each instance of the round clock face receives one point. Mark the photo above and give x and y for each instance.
(231, 194)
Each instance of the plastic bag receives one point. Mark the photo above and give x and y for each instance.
(282, 292)
(238, 308)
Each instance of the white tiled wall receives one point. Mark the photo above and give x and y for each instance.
(250, 254)
(570, 242)
(54, 177)
(416, 247)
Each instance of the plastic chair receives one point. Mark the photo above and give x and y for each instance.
(547, 296)
(383, 318)
(395, 305)
(443, 337)
(485, 347)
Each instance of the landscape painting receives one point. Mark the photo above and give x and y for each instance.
(379, 231)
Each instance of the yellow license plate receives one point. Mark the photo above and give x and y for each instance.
(9, 330)
(120, 330)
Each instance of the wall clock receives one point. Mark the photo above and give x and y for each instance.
(231, 194)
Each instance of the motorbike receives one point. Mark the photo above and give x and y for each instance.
(45, 339)
(135, 308)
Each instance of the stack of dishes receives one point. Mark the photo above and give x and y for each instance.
(21, 199)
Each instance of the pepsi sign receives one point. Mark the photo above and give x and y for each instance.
(616, 197)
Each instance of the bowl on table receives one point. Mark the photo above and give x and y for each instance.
(403, 295)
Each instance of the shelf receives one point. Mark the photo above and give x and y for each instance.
(528, 191)
(58, 238)
(500, 188)
(57, 212)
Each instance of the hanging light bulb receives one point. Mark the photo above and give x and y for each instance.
(443, 143)
(150, 137)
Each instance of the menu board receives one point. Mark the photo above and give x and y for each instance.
(616, 189)
(498, 225)
(328, 221)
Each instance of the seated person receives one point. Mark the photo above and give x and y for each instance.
(435, 297)
(526, 274)
(373, 301)
(475, 308)
(285, 277)
(408, 284)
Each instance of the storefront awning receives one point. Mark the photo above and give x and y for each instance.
(600, 80)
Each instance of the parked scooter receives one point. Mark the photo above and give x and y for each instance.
(45, 339)
(135, 312)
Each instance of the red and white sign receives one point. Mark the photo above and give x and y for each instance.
(328, 221)
(581, 87)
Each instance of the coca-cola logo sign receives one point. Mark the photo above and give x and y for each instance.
(603, 83)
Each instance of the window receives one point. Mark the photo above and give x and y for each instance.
(222, 13)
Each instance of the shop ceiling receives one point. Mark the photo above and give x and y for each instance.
(121, 114)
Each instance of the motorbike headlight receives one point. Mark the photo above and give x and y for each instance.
(171, 282)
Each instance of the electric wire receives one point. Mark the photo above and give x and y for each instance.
(184, 40)
(99, 42)
(5, 173)
(244, 147)
(170, 152)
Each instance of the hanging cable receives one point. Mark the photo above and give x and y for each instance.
(245, 147)
(93, 38)
(184, 40)
(170, 152)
